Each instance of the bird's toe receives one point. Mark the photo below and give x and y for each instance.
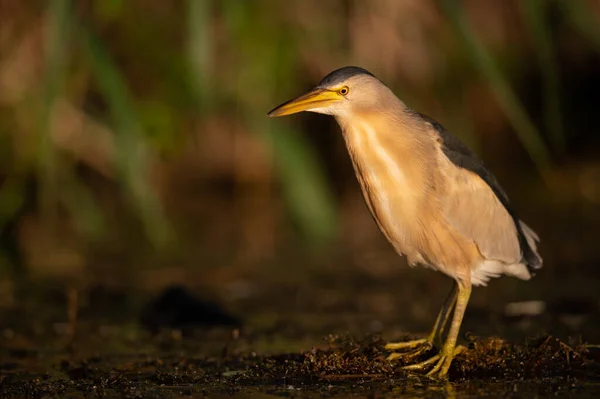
(408, 344)
(422, 365)
(441, 362)
(415, 348)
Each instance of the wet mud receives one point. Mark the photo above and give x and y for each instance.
(343, 366)
(321, 338)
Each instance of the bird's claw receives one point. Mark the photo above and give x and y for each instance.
(421, 345)
(407, 344)
(442, 363)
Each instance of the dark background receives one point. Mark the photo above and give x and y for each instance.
(137, 155)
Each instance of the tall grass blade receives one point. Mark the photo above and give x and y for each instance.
(524, 127)
(133, 153)
(583, 19)
(56, 54)
(199, 48)
(268, 56)
(536, 18)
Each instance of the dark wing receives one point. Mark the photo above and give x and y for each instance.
(460, 155)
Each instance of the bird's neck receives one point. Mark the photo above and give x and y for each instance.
(393, 163)
(384, 146)
(391, 138)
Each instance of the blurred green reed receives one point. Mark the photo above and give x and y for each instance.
(265, 69)
(304, 188)
(57, 53)
(583, 20)
(513, 108)
(131, 144)
(269, 59)
(57, 180)
(199, 50)
(536, 15)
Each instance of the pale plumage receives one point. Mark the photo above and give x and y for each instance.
(433, 199)
(429, 215)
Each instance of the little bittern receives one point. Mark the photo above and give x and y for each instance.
(433, 199)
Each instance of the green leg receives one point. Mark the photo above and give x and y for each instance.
(426, 343)
(444, 358)
(442, 319)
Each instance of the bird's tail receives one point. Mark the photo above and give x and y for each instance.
(533, 258)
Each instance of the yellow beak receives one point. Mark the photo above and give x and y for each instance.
(316, 98)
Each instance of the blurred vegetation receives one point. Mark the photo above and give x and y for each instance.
(140, 126)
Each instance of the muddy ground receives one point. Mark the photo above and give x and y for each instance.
(544, 366)
(308, 335)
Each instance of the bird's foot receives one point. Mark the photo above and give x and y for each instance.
(419, 346)
(442, 363)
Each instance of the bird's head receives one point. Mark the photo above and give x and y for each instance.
(342, 92)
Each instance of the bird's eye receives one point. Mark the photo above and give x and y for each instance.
(343, 91)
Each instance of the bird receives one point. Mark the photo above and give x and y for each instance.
(433, 199)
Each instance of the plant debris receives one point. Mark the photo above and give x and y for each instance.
(346, 365)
